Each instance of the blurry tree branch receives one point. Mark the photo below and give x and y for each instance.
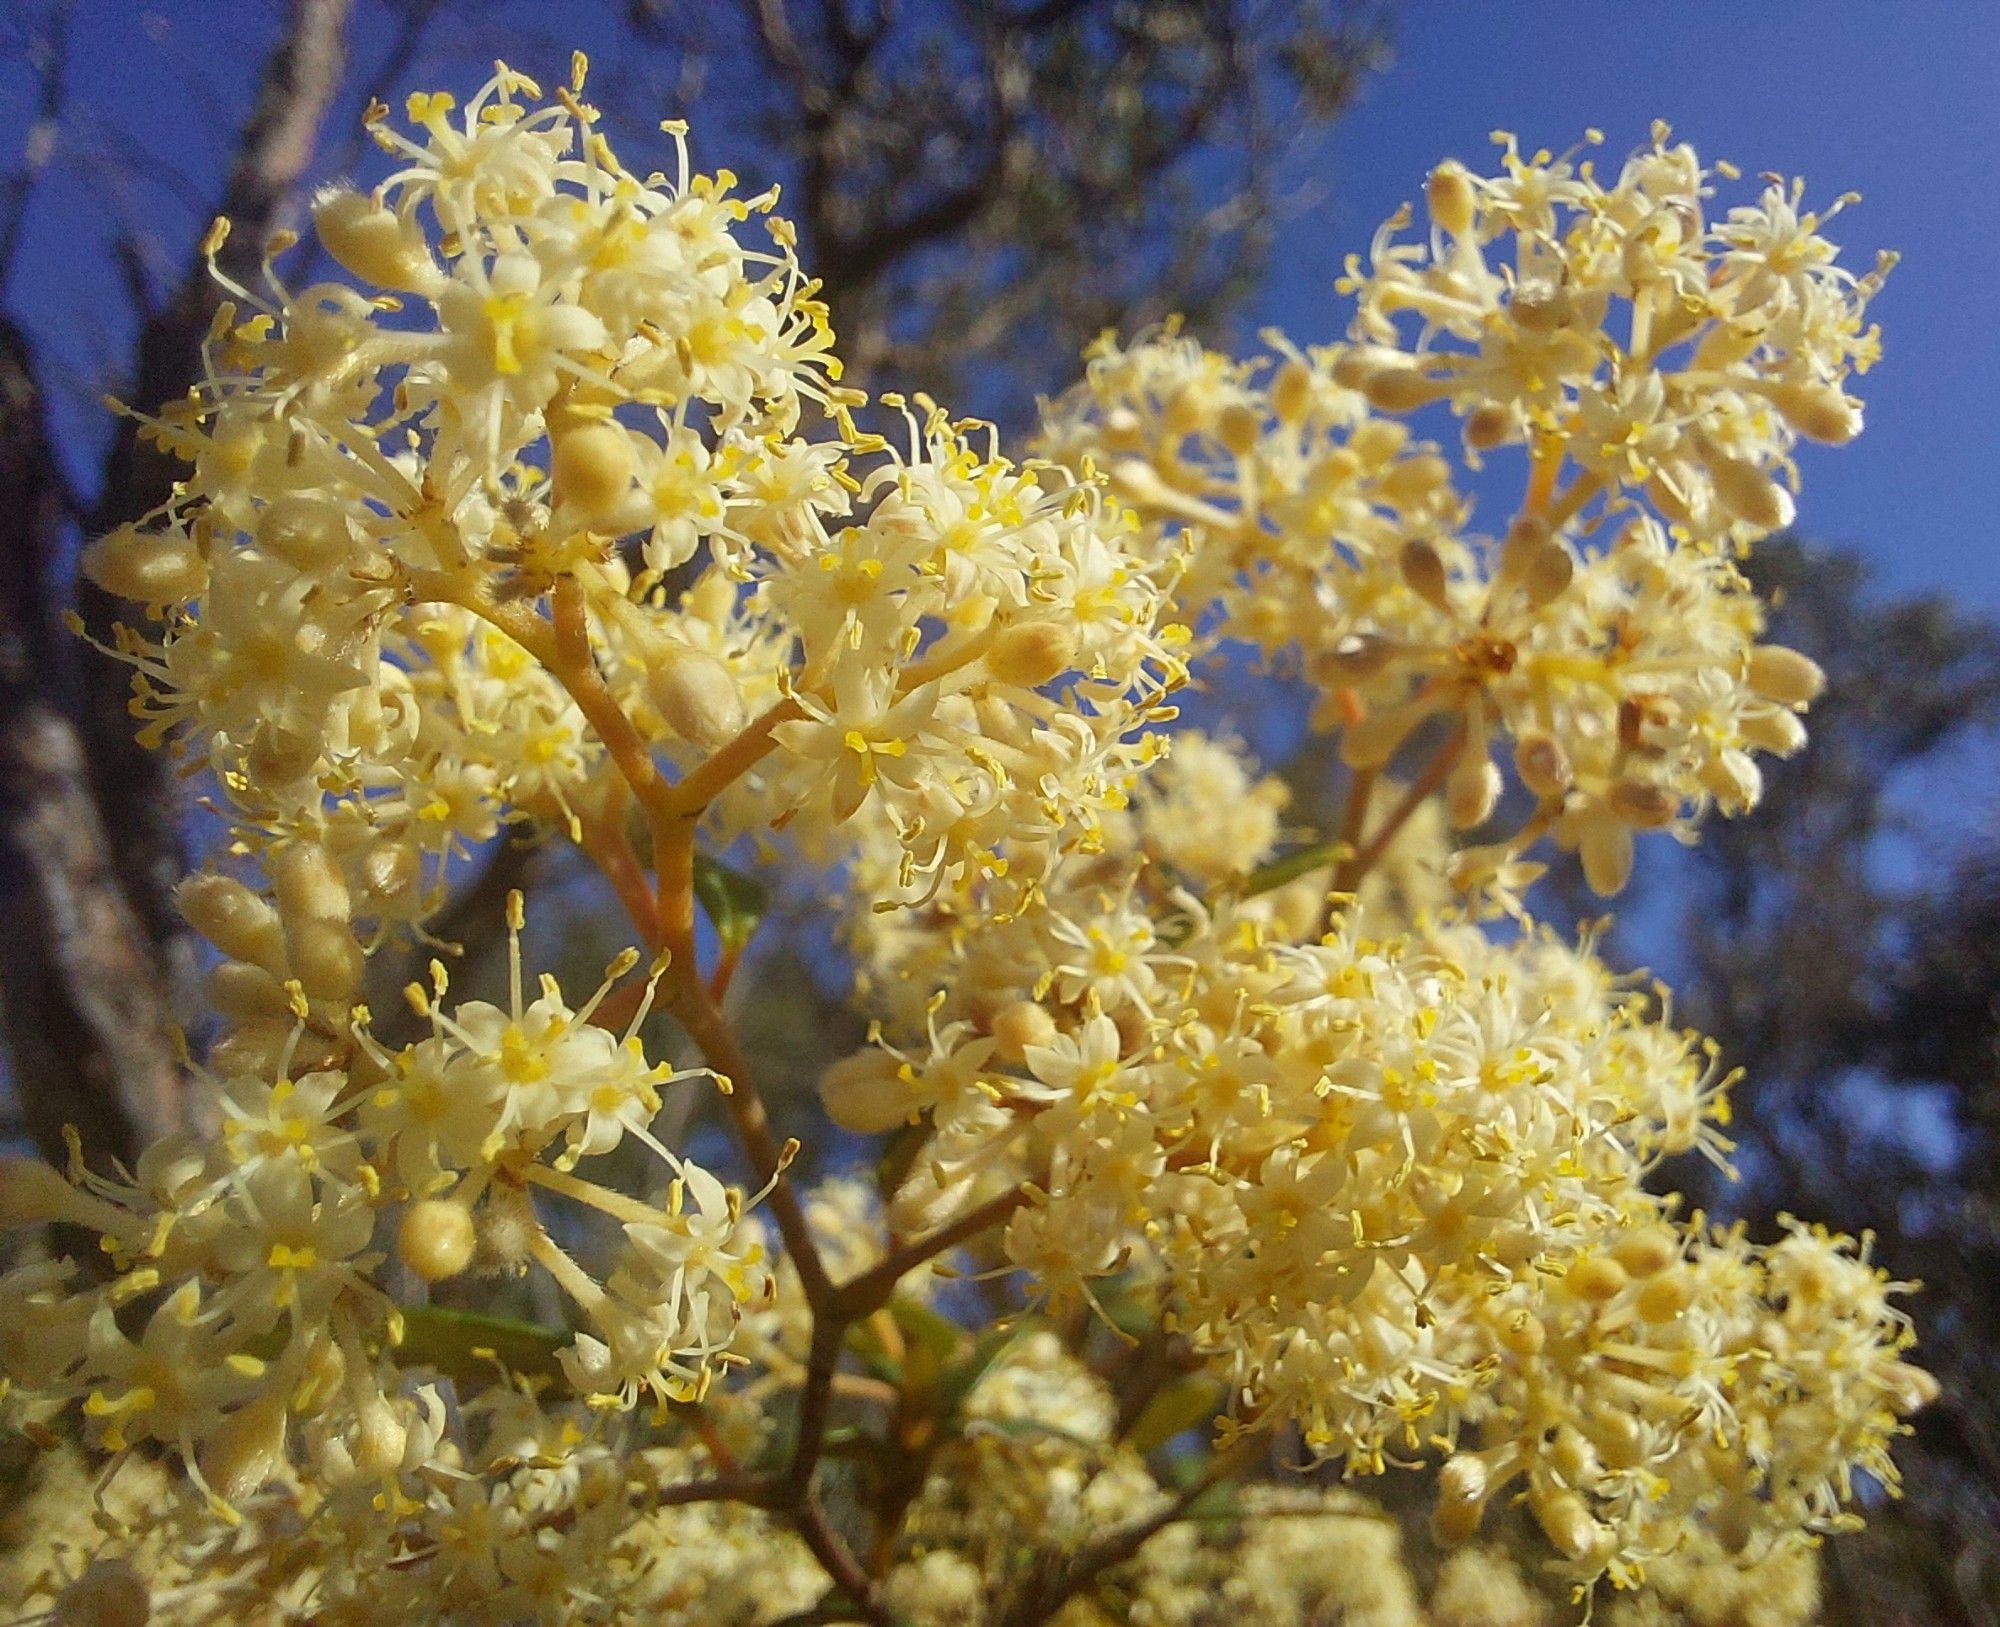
(92, 845)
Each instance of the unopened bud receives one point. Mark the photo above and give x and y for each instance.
(1019, 1026)
(1187, 410)
(1543, 765)
(1453, 203)
(1414, 481)
(1646, 1252)
(304, 533)
(865, 1093)
(590, 468)
(1784, 676)
(391, 871)
(1238, 429)
(696, 694)
(374, 243)
(1402, 389)
(1750, 494)
(1664, 1296)
(309, 884)
(1548, 575)
(147, 567)
(1488, 425)
(380, 1439)
(1596, 1278)
(1566, 1520)
(246, 1450)
(436, 1239)
(1642, 803)
(239, 990)
(1291, 391)
(1031, 653)
(1353, 657)
(325, 958)
(109, 1593)
(1780, 733)
(1819, 412)
(1463, 1485)
(1423, 569)
(232, 917)
(1606, 851)
(1473, 790)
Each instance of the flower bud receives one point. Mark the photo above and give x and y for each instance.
(1780, 733)
(1473, 790)
(374, 243)
(247, 1449)
(1523, 1333)
(306, 534)
(1031, 653)
(1750, 494)
(1784, 676)
(232, 917)
(590, 468)
(865, 1093)
(1646, 1252)
(1463, 1485)
(1291, 392)
(1642, 804)
(1414, 481)
(1665, 1296)
(1488, 425)
(1019, 1026)
(1543, 765)
(325, 959)
(380, 1439)
(1819, 412)
(696, 694)
(1453, 204)
(436, 1239)
(1527, 536)
(309, 884)
(1548, 575)
(1733, 779)
(1565, 1518)
(239, 990)
(1619, 1437)
(1423, 569)
(147, 567)
(257, 1046)
(109, 1593)
(1376, 440)
(391, 873)
(1596, 1278)
(1403, 389)
(1187, 410)
(1606, 851)
(1238, 429)
(1356, 656)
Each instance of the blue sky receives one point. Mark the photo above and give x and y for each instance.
(1898, 100)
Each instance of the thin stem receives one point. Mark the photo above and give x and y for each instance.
(840, 1564)
(1434, 774)
(869, 1291)
(1353, 815)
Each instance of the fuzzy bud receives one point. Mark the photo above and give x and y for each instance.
(307, 534)
(325, 958)
(109, 1593)
(1544, 767)
(148, 567)
(233, 918)
(1606, 851)
(1291, 392)
(1487, 426)
(374, 243)
(1819, 412)
(1780, 733)
(1548, 575)
(1473, 790)
(590, 468)
(1646, 1252)
(1238, 429)
(1664, 1296)
(696, 694)
(1402, 389)
(1031, 653)
(1750, 494)
(865, 1093)
(247, 1449)
(1423, 569)
(1596, 1278)
(309, 885)
(1453, 204)
(1642, 804)
(1019, 1026)
(1784, 676)
(435, 1239)
(1463, 1486)
(380, 1439)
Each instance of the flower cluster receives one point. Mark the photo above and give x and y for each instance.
(550, 510)
(1656, 366)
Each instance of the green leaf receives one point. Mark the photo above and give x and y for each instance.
(465, 1344)
(1269, 877)
(734, 902)
(1186, 1403)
